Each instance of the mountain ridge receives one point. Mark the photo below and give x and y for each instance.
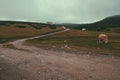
(108, 22)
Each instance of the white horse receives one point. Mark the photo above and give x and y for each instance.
(102, 38)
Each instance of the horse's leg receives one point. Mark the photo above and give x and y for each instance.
(98, 41)
(106, 41)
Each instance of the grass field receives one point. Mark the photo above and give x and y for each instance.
(12, 33)
(81, 40)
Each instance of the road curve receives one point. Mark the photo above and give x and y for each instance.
(32, 63)
(18, 43)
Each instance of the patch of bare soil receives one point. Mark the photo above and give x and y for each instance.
(9, 71)
(42, 64)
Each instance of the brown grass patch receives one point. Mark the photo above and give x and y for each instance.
(11, 31)
(81, 40)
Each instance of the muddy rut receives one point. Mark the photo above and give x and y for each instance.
(32, 63)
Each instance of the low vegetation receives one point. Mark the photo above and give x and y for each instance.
(11, 32)
(80, 40)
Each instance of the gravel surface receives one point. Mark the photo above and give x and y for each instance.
(34, 63)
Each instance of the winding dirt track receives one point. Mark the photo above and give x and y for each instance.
(34, 63)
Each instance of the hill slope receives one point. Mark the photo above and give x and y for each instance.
(109, 22)
(106, 23)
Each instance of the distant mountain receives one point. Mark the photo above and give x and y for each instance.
(105, 24)
(109, 22)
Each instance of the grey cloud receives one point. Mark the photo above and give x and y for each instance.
(58, 11)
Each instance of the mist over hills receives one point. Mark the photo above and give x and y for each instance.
(109, 22)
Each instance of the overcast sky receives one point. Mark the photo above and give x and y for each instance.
(58, 11)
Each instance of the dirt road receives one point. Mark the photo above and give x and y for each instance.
(32, 63)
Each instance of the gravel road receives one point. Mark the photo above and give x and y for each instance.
(32, 63)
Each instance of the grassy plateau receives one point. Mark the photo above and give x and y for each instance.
(11, 32)
(80, 40)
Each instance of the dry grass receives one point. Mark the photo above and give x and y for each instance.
(84, 33)
(11, 32)
(81, 40)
